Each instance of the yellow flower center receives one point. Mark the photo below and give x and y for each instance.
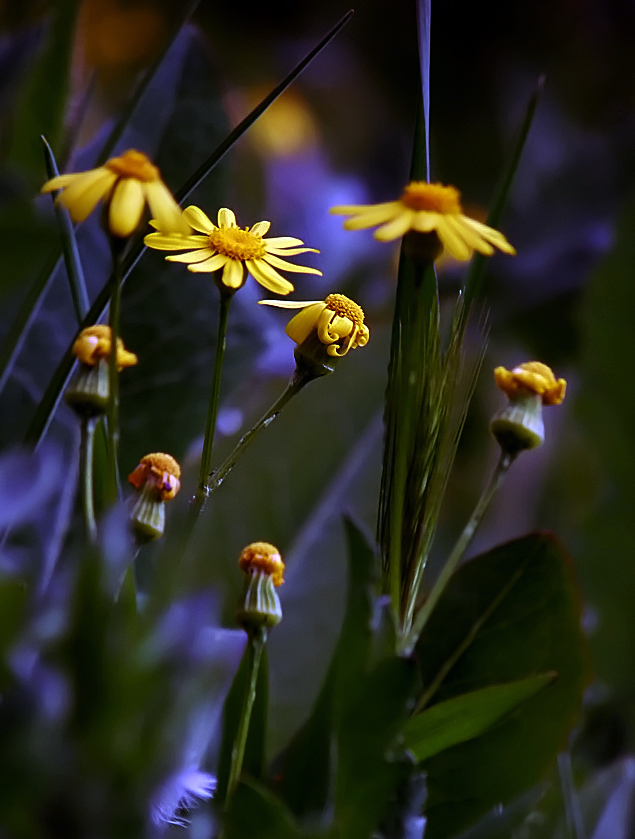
(344, 306)
(237, 243)
(134, 164)
(434, 198)
(161, 471)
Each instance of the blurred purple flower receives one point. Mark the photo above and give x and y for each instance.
(181, 791)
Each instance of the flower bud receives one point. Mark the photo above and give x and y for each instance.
(519, 426)
(260, 605)
(157, 476)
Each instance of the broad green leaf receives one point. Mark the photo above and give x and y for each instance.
(253, 761)
(467, 716)
(255, 813)
(506, 615)
(302, 773)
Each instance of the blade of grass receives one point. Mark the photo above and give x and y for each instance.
(69, 243)
(52, 395)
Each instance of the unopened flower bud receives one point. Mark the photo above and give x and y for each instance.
(89, 390)
(519, 426)
(260, 605)
(157, 477)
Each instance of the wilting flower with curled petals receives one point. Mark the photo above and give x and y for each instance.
(260, 605)
(337, 321)
(519, 426)
(125, 184)
(94, 343)
(424, 209)
(233, 251)
(531, 377)
(158, 477)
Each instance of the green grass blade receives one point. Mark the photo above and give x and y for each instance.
(476, 272)
(73, 264)
(206, 167)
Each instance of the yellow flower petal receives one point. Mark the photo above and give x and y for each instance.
(289, 266)
(268, 277)
(425, 222)
(197, 219)
(451, 241)
(191, 256)
(212, 264)
(471, 238)
(380, 214)
(282, 242)
(233, 273)
(490, 235)
(395, 228)
(160, 242)
(260, 228)
(289, 304)
(226, 218)
(165, 211)
(60, 181)
(83, 194)
(300, 327)
(290, 251)
(126, 207)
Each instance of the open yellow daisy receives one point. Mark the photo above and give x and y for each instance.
(233, 251)
(427, 208)
(337, 321)
(125, 184)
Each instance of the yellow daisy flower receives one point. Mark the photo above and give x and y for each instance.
(532, 377)
(233, 251)
(337, 321)
(125, 184)
(427, 208)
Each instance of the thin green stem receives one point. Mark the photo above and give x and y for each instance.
(257, 639)
(458, 551)
(573, 813)
(86, 476)
(296, 383)
(117, 248)
(202, 491)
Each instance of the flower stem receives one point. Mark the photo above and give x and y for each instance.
(299, 379)
(256, 641)
(117, 247)
(202, 490)
(86, 476)
(421, 618)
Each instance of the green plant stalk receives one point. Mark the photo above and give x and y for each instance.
(87, 429)
(256, 640)
(117, 247)
(573, 814)
(202, 491)
(296, 383)
(74, 270)
(422, 616)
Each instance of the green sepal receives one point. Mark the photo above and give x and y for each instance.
(88, 391)
(148, 514)
(519, 426)
(260, 604)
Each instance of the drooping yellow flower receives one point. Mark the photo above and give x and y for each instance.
(159, 471)
(263, 556)
(125, 184)
(233, 251)
(93, 343)
(337, 321)
(531, 377)
(427, 208)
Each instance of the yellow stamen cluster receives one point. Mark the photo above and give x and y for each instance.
(432, 198)
(160, 471)
(531, 377)
(237, 243)
(262, 556)
(94, 343)
(133, 164)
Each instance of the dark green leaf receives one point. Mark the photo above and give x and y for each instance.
(255, 813)
(507, 615)
(467, 716)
